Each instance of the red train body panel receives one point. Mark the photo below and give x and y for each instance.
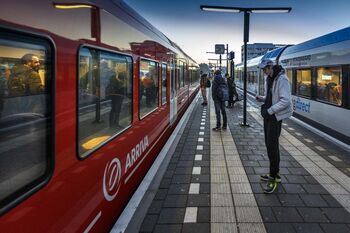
(78, 193)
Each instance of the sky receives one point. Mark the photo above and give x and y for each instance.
(197, 31)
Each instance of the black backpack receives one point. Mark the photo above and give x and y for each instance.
(208, 83)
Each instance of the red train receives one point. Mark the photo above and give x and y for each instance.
(89, 94)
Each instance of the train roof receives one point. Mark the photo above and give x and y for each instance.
(274, 54)
(328, 39)
(148, 25)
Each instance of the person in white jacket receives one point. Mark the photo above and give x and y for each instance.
(277, 106)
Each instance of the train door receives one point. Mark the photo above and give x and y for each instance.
(173, 93)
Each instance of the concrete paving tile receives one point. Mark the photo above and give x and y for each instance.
(313, 200)
(195, 227)
(241, 188)
(223, 188)
(335, 228)
(287, 214)
(279, 228)
(171, 216)
(337, 215)
(307, 228)
(223, 215)
(203, 214)
(148, 223)
(244, 200)
(251, 228)
(290, 200)
(314, 215)
(155, 207)
(267, 214)
(239, 179)
(198, 200)
(219, 178)
(221, 199)
(248, 215)
(223, 228)
(267, 200)
(166, 228)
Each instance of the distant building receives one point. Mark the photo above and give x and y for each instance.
(258, 49)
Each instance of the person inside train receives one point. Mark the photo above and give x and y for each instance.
(277, 106)
(217, 94)
(149, 89)
(203, 85)
(25, 78)
(4, 77)
(115, 91)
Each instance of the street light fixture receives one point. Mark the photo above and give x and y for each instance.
(247, 12)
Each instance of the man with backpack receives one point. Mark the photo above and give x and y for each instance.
(220, 95)
(277, 106)
(25, 78)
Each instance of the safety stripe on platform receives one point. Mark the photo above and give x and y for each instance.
(233, 205)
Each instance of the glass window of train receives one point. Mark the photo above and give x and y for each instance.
(105, 98)
(303, 85)
(329, 85)
(172, 81)
(164, 83)
(25, 115)
(148, 87)
(181, 73)
(290, 77)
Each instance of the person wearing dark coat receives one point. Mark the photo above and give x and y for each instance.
(219, 103)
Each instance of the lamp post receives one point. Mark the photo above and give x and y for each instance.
(247, 12)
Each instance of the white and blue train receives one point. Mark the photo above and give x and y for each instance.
(319, 74)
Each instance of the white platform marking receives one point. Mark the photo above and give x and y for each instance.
(198, 157)
(196, 170)
(191, 214)
(202, 128)
(194, 188)
(200, 139)
(201, 133)
(199, 147)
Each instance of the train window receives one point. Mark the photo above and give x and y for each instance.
(164, 83)
(290, 77)
(148, 88)
(104, 97)
(26, 128)
(329, 85)
(303, 83)
(181, 73)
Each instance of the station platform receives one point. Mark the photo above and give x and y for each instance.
(210, 182)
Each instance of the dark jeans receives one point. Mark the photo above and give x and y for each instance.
(220, 105)
(230, 97)
(272, 130)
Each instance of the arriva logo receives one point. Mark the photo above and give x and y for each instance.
(300, 105)
(111, 179)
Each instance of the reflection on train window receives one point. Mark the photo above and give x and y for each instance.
(148, 90)
(105, 97)
(303, 83)
(181, 73)
(290, 77)
(164, 83)
(329, 85)
(25, 115)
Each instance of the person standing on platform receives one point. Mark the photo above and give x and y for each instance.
(203, 84)
(277, 106)
(218, 83)
(231, 87)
